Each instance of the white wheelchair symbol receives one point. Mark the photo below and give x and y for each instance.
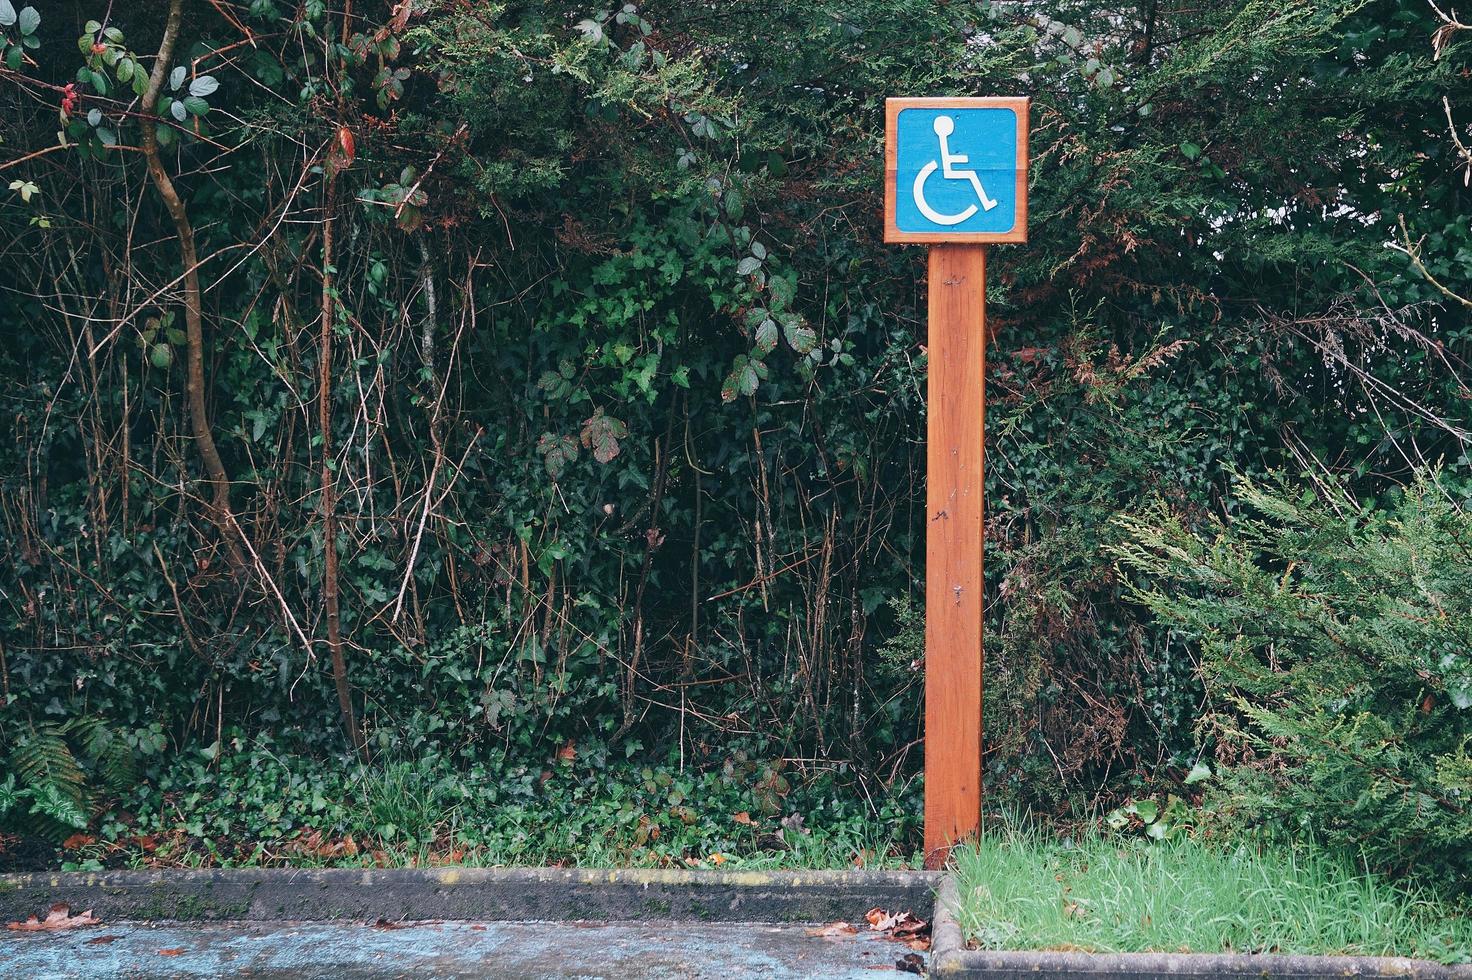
(944, 127)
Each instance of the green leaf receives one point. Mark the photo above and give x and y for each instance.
(162, 356)
(800, 337)
(176, 77)
(7, 13)
(12, 57)
(557, 451)
(783, 290)
(766, 336)
(50, 801)
(1190, 150)
(94, 116)
(746, 375)
(748, 265)
(601, 434)
(203, 85)
(30, 19)
(196, 105)
(177, 110)
(1147, 810)
(125, 70)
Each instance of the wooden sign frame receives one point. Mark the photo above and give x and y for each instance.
(1020, 106)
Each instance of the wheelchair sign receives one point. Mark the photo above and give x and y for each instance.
(956, 170)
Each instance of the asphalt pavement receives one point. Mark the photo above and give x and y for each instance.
(428, 951)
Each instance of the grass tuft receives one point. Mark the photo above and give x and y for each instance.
(1022, 890)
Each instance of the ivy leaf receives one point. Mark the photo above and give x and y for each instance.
(557, 451)
(30, 19)
(766, 337)
(747, 374)
(7, 13)
(601, 434)
(203, 85)
(176, 77)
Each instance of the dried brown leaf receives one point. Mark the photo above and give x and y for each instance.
(57, 918)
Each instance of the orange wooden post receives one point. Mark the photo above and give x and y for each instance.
(955, 434)
(955, 178)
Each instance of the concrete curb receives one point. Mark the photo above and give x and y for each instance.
(507, 894)
(950, 958)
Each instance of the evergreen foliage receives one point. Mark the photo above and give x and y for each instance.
(1336, 644)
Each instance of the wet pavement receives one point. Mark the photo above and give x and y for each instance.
(446, 950)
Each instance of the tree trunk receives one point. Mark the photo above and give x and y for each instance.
(204, 440)
(329, 478)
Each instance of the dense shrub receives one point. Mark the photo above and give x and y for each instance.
(1335, 638)
(547, 386)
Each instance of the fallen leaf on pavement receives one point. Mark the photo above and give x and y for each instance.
(880, 920)
(899, 926)
(387, 924)
(834, 929)
(58, 918)
(176, 951)
(102, 940)
(911, 963)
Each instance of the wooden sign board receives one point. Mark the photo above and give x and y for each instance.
(955, 170)
(955, 178)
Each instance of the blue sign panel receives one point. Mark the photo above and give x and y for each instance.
(956, 170)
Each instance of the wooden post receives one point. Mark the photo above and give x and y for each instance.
(953, 546)
(955, 178)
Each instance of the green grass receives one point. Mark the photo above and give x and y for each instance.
(1021, 890)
